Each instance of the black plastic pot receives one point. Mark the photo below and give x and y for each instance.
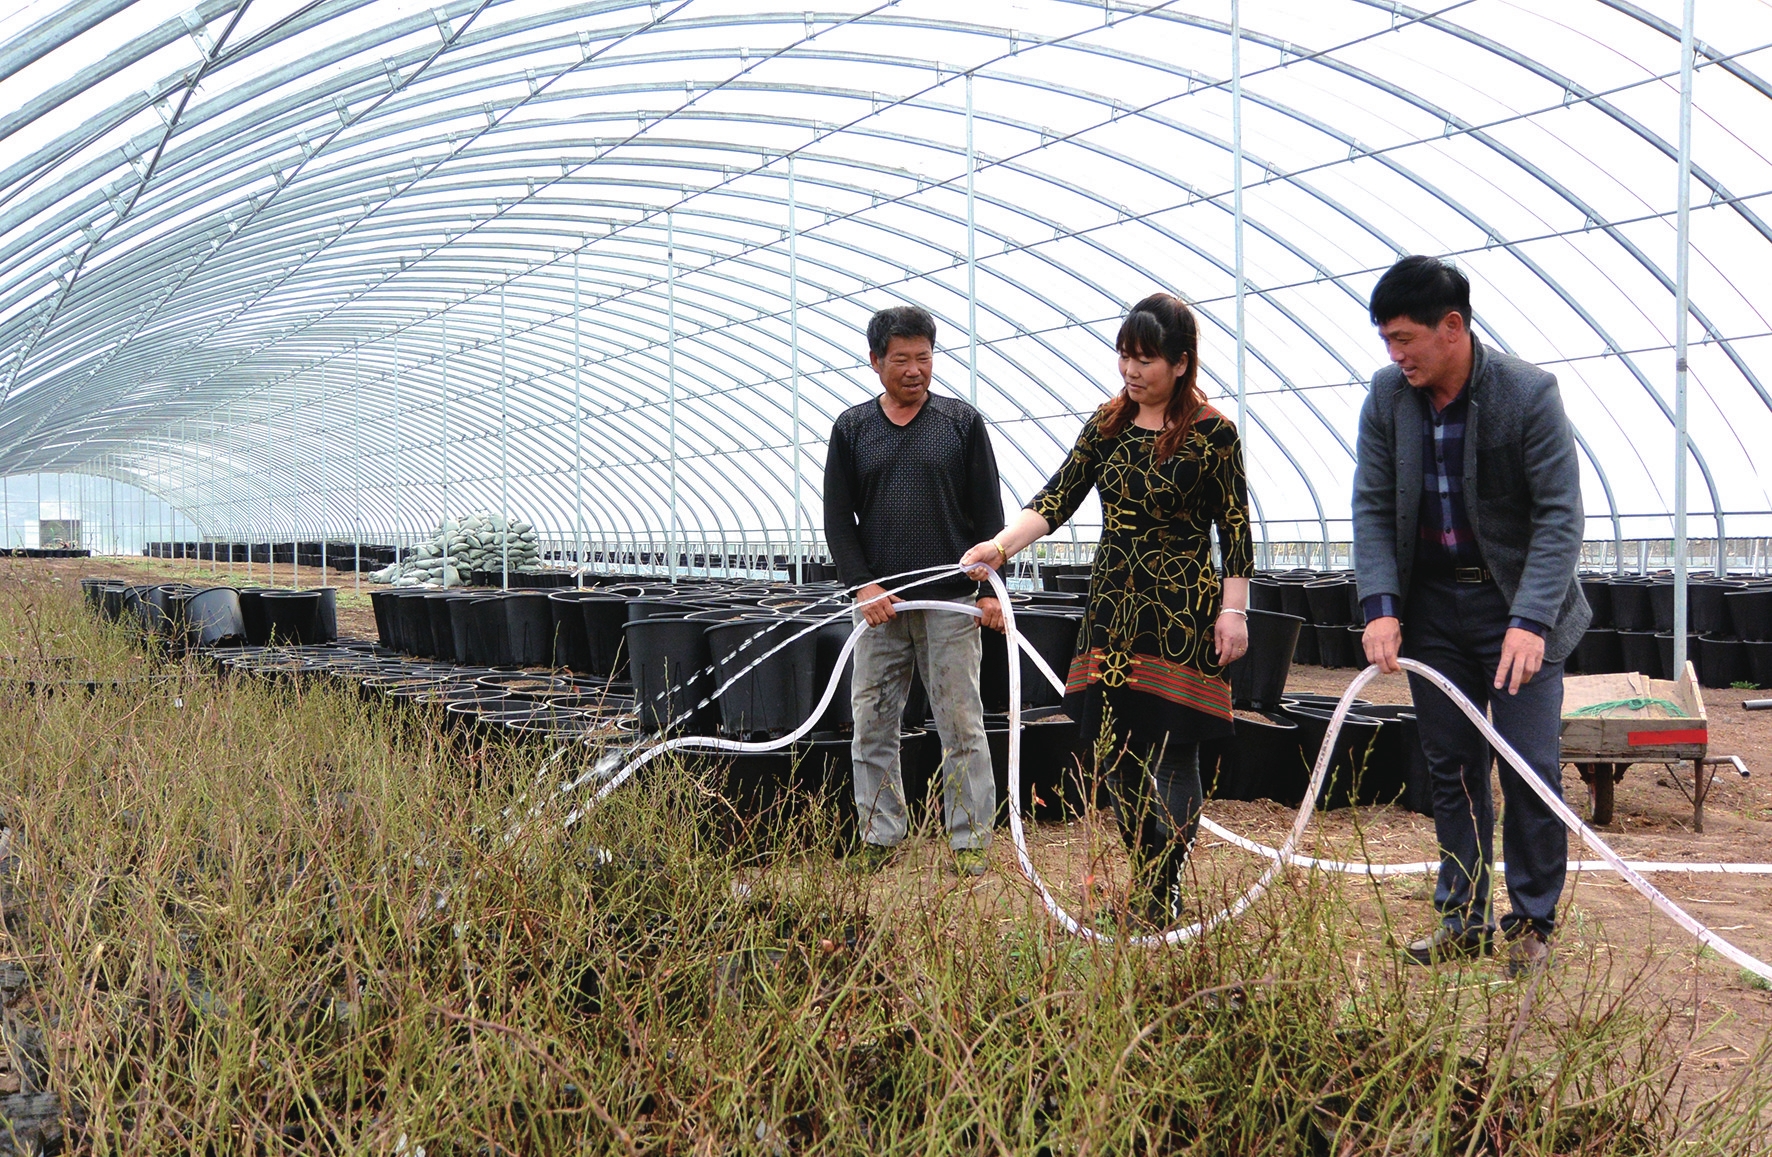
(1598, 653)
(1759, 661)
(1255, 761)
(414, 612)
(1264, 595)
(327, 615)
(471, 708)
(825, 773)
(442, 622)
(1396, 755)
(919, 762)
(1258, 679)
(489, 637)
(1597, 589)
(755, 786)
(1335, 647)
(384, 633)
(571, 649)
(1348, 768)
(1707, 607)
(838, 714)
(1750, 613)
(604, 618)
(464, 625)
(1722, 662)
(1077, 584)
(1664, 643)
(669, 665)
(213, 619)
(1661, 605)
(529, 628)
(1053, 634)
(294, 616)
(1051, 785)
(1639, 651)
(777, 694)
(112, 602)
(1630, 605)
(1328, 602)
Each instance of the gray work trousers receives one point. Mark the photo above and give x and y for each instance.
(946, 648)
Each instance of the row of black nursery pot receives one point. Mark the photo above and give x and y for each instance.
(188, 616)
(338, 555)
(1729, 623)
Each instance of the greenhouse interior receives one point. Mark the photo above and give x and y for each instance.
(434, 443)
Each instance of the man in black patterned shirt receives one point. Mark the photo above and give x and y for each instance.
(910, 483)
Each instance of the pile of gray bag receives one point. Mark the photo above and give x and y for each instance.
(477, 542)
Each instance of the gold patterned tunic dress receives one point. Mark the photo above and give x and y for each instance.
(1154, 595)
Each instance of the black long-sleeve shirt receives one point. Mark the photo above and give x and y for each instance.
(900, 498)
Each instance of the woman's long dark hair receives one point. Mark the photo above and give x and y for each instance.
(1160, 326)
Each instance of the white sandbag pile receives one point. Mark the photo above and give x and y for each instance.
(474, 543)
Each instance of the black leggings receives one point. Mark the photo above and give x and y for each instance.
(1158, 821)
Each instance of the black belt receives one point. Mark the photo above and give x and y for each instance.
(1461, 574)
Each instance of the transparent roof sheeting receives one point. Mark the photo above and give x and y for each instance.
(299, 263)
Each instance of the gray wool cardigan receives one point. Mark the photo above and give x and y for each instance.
(1522, 490)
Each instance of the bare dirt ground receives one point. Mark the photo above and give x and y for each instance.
(1606, 925)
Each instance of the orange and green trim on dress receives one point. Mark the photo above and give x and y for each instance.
(1175, 682)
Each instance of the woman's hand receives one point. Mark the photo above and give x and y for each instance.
(982, 559)
(1230, 636)
(995, 553)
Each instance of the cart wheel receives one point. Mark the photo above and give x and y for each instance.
(1601, 795)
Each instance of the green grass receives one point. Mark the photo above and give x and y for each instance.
(284, 919)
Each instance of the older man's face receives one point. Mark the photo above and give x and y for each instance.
(905, 369)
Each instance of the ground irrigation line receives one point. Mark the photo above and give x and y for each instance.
(1429, 867)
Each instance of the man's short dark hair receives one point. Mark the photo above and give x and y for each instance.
(899, 321)
(1422, 289)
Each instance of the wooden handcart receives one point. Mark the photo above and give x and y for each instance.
(1603, 745)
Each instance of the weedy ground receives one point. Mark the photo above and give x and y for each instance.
(244, 917)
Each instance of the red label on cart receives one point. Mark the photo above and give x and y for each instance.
(1665, 738)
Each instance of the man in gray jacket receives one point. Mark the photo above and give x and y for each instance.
(1467, 531)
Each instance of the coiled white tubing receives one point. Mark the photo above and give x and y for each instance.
(1279, 859)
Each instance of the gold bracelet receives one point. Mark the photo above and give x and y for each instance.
(1001, 549)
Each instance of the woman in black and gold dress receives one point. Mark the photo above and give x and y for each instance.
(1160, 627)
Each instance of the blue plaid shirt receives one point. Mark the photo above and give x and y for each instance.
(1446, 541)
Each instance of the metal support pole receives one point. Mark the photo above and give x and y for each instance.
(448, 566)
(1682, 252)
(671, 385)
(294, 490)
(578, 428)
(1237, 207)
(325, 480)
(357, 466)
(794, 352)
(971, 258)
(504, 460)
(398, 471)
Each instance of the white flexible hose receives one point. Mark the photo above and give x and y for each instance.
(1278, 858)
(1429, 867)
(1570, 820)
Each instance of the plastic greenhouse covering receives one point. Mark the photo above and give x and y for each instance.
(336, 267)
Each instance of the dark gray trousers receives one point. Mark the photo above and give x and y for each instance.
(1457, 629)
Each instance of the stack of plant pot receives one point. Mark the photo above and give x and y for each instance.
(1727, 621)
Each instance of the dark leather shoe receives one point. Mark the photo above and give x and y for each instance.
(1445, 944)
(1530, 952)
